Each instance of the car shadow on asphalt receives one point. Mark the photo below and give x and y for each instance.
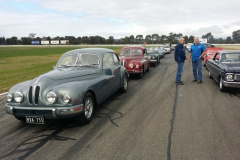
(233, 92)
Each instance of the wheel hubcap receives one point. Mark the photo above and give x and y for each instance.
(220, 84)
(125, 83)
(88, 107)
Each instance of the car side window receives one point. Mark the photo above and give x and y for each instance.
(116, 60)
(108, 60)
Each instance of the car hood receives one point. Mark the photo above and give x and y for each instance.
(60, 74)
(232, 67)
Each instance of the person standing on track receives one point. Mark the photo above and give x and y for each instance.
(180, 57)
(197, 51)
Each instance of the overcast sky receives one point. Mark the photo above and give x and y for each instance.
(118, 18)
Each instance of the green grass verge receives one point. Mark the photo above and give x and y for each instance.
(19, 64)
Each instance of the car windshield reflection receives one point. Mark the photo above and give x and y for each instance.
(80, 60)
(230, 58)
(131, 52)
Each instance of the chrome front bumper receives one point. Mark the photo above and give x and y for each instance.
(53, 112)
(153, 60)
(134, 71)
(231, 84)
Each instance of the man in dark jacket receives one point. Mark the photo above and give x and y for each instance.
(180, 57)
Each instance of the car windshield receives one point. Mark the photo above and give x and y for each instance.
(230, 58)
(206, 45)
(131, 52)
(82, 60)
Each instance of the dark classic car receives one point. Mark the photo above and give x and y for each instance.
(82, 79)
(225, 69)
(135, 59)
(155, 57)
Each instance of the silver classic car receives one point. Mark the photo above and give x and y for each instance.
(82, 79)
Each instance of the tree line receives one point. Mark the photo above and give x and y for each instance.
(138, 39)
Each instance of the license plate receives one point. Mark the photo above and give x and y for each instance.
(35, 119)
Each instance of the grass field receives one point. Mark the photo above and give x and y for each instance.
(18, 64)
(229, 47)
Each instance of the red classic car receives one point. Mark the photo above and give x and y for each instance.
(210, 52)
(135, 59)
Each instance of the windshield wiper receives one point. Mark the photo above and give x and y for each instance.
(88, 65)
(65, 66)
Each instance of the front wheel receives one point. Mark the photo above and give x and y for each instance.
(140, 75)
(88, 109)
(222, 88)
(125, 84)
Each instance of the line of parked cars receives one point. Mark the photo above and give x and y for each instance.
(81, 79)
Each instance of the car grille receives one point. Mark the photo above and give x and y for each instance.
(33, 94)
(237, 77)
(33, 112)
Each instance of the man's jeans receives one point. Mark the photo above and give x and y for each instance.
(179, 71)
(197, 69)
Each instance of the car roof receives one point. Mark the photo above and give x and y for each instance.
(229, 51)
(100, 51)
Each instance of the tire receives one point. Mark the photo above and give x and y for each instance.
(22, 119)
(222, 88)
(148, 68)
(155, 64)
(88, 109)
(209, 75)
(125, 84)
(140, 75)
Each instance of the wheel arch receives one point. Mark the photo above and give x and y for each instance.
(93, 94)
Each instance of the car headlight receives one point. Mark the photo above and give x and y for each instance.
(66, 98)
(9, 97)
(51, 97)
(18, 97)
(130, 65)
(137, 66)
(229, 77)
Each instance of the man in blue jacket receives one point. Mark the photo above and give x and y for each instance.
(197, 51)
(180, 57)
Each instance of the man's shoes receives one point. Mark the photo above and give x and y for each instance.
(199, 82)
(194, 80)
(180, 83)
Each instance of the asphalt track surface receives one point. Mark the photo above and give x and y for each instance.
(154, 120)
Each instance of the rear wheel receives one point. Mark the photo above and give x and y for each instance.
(209, 75)
(88, 109)
(125, 84)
